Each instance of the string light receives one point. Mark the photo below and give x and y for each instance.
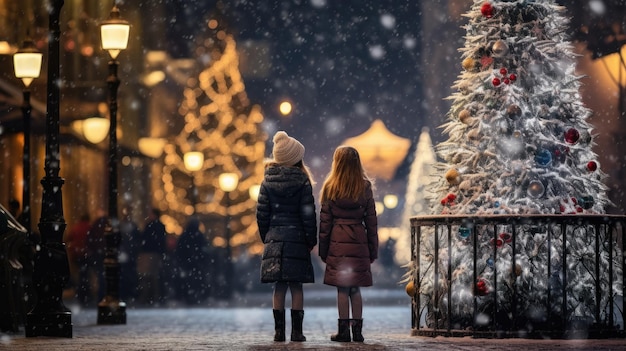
(216, 109)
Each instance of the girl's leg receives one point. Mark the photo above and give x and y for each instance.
(297, 311)
(297, 296)
(356, 301)
(343, 302)
(343, 323)
(278, 299)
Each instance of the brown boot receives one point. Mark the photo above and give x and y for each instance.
(296, 325)
(357, 328)
(279, 325)
(343, 334)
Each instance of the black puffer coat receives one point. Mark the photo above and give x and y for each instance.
(287, 224)
(349, 240)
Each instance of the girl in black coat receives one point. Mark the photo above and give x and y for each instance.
(288, 228)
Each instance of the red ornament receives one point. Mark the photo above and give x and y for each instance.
(512, 77)
(592, 166)
(496, 81)
(579, 209)
(571, 136)
(486, 61)
(482, 288)
(507, 237)
(503, 71)
(487, 10)
(451, 197)
(506, 81)
(444, 201)
(497, 242)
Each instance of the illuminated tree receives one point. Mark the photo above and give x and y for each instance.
(219, 122)
(416, 201)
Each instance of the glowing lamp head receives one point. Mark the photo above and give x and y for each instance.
(114, 33)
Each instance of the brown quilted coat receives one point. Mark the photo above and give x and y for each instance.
(348, 240)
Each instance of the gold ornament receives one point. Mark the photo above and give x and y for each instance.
(410, 288)
(499, 48)
(453, 176)
(464, 116)
(468, 64)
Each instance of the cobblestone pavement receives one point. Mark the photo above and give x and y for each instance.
(249, 326)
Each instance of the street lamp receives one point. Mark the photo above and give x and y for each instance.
(50, 317)
(93, 129)
(228, 182)
(27, 66)
(114, 33)
(193, 161)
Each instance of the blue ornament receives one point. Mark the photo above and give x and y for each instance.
(586, 202)
(543, 158)
(490, 262)
(464, 232)
(496, 204)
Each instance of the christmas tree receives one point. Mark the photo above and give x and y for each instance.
(519, 143)
(224, 127)
(420, 176)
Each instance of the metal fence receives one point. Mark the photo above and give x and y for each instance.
(528, 276)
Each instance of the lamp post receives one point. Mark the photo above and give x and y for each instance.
(114, 34)
(50, 317)
(228, 182)
(193, 161)
(27, 66)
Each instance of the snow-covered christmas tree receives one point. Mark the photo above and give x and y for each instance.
(518, 144)
(420, 176)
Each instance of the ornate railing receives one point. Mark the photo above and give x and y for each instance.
(529, 276)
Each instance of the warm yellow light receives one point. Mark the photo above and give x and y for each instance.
(152, 147)
(27, 62)
(285, 108)
(390, 201)
(193, 160)
(228, 181)
(254, 192)
(94, 129)
(380, 208)
(153, 78)
(114, 33)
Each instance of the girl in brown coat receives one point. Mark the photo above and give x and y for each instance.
(348, 237)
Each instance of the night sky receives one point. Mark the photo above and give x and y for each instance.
(342, 63)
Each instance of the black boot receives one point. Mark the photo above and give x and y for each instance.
(279, 325)
(343, 335)
(357, 328)
(296, 325)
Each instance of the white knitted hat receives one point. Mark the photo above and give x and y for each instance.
(287, 150)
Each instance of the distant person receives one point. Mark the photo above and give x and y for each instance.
(288, 229)
(192, 258)
(76, 243)
(348, 238)
(152, 246)
(96, 247)
(127, 257)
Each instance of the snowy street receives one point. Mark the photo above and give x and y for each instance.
(387, 326)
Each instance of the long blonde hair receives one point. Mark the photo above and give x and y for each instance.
(347, 178)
